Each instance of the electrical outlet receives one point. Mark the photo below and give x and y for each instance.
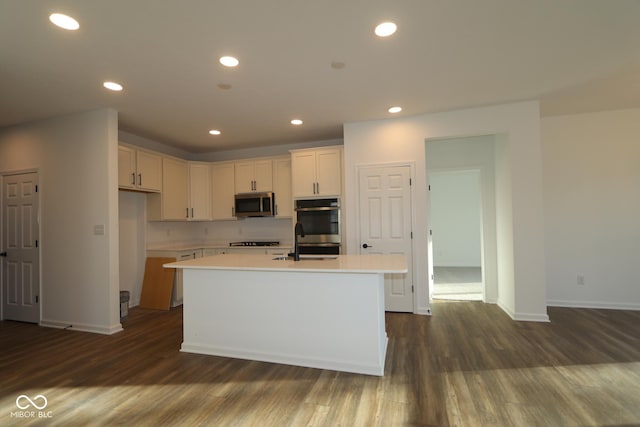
(580, 280)
(168, 232)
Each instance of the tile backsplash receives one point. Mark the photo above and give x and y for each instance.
(249, 229)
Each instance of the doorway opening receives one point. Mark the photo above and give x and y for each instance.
(456, 235)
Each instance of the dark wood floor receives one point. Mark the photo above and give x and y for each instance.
(466, 365)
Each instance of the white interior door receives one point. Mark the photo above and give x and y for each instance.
(385, 226)
(20, 260)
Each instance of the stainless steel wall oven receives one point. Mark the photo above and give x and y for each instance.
(320, 219)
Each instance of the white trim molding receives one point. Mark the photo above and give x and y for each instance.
(524, 317)
(69, 326)
(594, 304)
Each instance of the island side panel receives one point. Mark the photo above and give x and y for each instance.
(321, 320)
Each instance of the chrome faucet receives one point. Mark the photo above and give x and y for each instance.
(298, 231)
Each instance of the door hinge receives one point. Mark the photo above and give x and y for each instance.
(37, 299)
(36, 243)
(412, 234)
(409, 182)
(411, 288)
(36, 188)
(430, 232)
(429, 187)
(432, 277)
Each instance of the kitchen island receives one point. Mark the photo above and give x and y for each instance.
(322, 313)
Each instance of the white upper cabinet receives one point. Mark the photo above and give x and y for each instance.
(316, 172)
(253, 176)
(282, 186)
(199, 192)
(173, 203)
(139, 169)
(222, 194)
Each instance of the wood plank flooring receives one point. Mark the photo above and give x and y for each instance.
(466, 365)
(457, 283)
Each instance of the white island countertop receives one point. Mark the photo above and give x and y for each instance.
(311, 263)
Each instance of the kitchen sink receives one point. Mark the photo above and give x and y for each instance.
(307, 257)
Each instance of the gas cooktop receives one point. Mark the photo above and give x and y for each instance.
(272, 243)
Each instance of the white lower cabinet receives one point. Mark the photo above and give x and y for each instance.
(281, 251)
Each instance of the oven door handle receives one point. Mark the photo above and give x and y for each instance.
(319, 244)
(324, 208)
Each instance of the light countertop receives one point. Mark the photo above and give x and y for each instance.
(331, 264)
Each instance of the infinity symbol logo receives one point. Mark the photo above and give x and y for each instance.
(30, 402)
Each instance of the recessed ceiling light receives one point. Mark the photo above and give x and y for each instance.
(112, 86)
(64, 21)
(385, 29)
(296, 122)
(395, 109)
(229, 61)
(215, 132)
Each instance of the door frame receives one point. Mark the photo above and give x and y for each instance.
(4, 174)
(412, 173)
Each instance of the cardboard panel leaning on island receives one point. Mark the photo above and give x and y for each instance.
(157, 284)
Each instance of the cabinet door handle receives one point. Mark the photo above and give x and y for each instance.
(187, 212)
(133, 178)
(140, 179)
(191, 212)
(318, 187)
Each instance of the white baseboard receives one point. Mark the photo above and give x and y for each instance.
(594, 304)
(531, 317)
(70, 326)
(524, 317)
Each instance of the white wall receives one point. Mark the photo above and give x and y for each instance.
(505, 227)
(403, 139)
(455, 218)
(76, 157)
(592, 208)
(132, 214)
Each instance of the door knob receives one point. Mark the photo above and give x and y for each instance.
(365, 246)
(3, 254)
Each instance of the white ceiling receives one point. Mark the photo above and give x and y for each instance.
(573, 55)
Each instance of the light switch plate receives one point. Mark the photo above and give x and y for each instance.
(98, 230)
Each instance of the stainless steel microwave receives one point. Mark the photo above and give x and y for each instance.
(255, 204)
